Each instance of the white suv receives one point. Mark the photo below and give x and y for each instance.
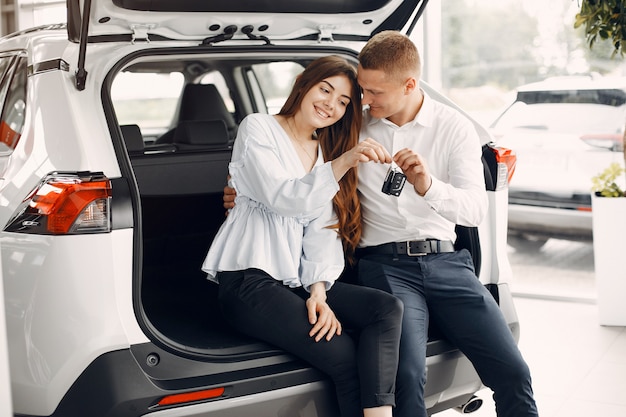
(565, 130)
(115, 136)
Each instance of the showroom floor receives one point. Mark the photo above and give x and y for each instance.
(578, 366)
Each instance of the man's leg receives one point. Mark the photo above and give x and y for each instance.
(403, 279)
(470, 318)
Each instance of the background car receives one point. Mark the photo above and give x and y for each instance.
(564, 131)
(117, 130)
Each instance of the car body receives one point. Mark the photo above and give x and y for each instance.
(117, 130)
(564, 130)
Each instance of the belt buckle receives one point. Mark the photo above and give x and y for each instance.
(408, 248)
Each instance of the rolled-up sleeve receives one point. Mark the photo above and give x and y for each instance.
(322, 251)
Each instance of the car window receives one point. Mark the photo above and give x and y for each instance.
(137, 101)
(275, 80)
(13, 76)
(5, 60)
(609, 97)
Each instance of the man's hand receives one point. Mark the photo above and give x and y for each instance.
(229, 198)
(415, 169)
(321, 316)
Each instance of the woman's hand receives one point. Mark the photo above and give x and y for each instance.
(365, 151)
(321, 316)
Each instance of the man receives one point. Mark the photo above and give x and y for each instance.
(439, 152)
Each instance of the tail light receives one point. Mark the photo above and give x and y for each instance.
(505, 160)
(65, 204)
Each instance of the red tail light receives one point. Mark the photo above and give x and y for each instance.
(65, 203)
(506, 160)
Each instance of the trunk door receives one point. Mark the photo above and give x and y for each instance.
(236, 19)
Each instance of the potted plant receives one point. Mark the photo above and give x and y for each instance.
(608, 202)
(606, 20)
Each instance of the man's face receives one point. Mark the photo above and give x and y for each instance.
(385, 97)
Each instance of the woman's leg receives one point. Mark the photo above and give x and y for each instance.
(404, 279)
(376, 316)
(258, 305)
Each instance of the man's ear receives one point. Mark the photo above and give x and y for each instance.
(410, 85)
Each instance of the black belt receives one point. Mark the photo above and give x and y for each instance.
(408, 248)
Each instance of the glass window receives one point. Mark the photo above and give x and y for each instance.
(276, 80)
(13, 98)
(137, 101)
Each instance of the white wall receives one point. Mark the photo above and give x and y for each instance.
(40, 12)
(427, 37)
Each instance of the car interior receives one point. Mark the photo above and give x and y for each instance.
(180, 174)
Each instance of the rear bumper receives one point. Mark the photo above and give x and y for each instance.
(116, 385)
(129, 383)
(308, 400)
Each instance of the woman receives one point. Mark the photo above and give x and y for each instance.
(279, 253)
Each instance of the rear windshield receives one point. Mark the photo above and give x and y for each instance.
(609, 97)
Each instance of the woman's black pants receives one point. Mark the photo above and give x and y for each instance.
(363, 369)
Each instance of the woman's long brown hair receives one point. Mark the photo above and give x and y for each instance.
(335, 140)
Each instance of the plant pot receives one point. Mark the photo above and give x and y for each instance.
(609, 236)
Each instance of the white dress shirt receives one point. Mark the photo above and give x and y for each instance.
(279, 222)
(451, 148)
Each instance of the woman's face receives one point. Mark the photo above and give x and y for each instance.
(326, 102)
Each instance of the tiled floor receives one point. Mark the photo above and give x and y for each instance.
(578, 366)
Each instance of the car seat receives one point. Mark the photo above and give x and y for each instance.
(202, 102)
(133, 138)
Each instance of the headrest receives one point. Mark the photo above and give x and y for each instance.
(133, 138)
(201, 133)
(204, 102)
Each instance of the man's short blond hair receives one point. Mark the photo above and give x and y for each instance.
(393, 53)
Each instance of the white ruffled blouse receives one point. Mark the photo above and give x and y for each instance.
(279, 222)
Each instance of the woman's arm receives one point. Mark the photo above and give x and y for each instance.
(260, 173)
